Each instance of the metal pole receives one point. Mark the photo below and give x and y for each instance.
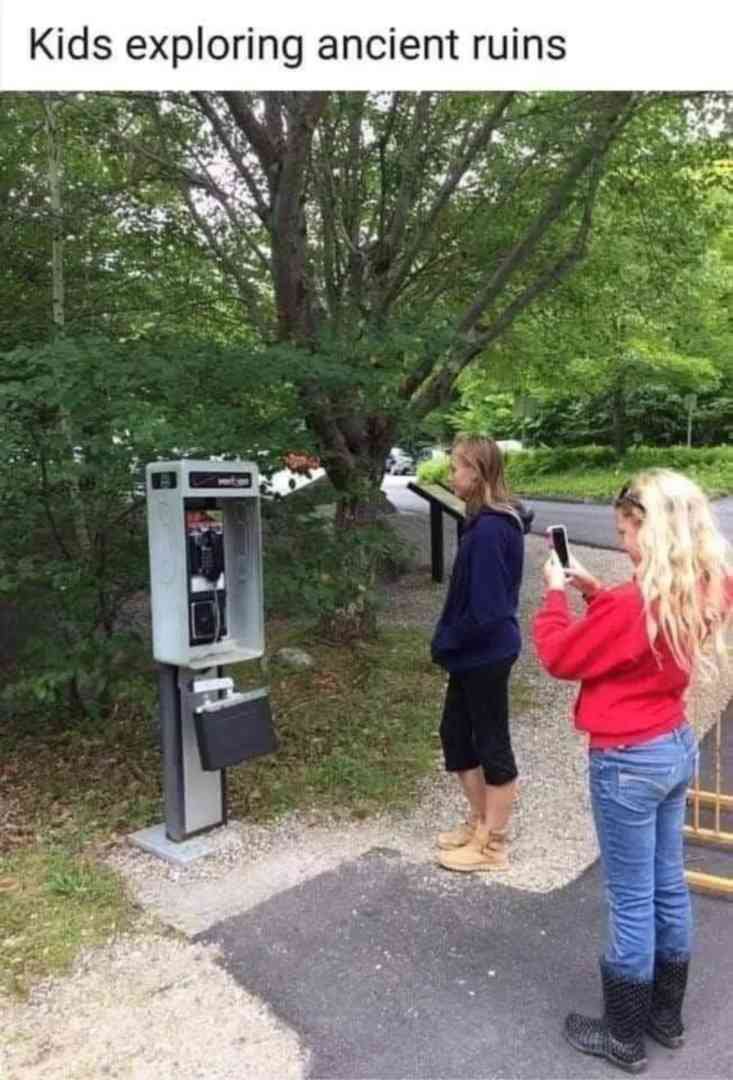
(170, 743)
(436, 541)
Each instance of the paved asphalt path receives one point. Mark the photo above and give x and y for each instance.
(391, 971)
(385, 973)
(587, 523)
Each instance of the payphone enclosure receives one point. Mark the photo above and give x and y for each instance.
(205, 562)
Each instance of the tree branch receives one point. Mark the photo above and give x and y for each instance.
(326, 205)
(274, 120)
(476, 144)
(237, 159)
(239, 222)
(619, 111)
(247, 293)
(434, 387)
(388, 244)
(255, 132)
(353, 204)
(382, 144)
(295, 311)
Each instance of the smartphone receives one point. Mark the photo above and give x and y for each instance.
(559, 537)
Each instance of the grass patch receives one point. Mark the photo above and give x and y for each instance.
(596, 473)
(602, 485)
(357, 733)
(52, 903)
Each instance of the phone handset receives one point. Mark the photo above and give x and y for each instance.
(211, 555)
(207, 596)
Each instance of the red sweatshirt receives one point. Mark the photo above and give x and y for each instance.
(627, 693)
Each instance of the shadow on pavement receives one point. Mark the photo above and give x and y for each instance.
(391, 970)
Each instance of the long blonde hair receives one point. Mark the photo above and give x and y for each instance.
(491, 488)
(684, 569)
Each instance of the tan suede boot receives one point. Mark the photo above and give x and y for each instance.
(486, 850)
(456, 838)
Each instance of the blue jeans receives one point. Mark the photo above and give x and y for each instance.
(638, 800)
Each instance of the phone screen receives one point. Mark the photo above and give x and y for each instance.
(559, 537)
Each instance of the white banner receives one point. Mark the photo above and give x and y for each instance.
(329, 44)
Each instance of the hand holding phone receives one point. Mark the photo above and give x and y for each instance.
(559, 538)
(581, 579)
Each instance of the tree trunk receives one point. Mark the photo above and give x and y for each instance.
(55, 181)
(361, 499)
(353, 449)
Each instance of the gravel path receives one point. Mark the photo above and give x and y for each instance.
(152, 1007)
(153, 1000)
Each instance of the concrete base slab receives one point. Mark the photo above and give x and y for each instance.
(181, 852)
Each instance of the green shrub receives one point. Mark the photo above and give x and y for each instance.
(560, 459)
(596, 472)
(678, 457)
(653, 414)
(314, 571)
(81, 417)
(435, 470)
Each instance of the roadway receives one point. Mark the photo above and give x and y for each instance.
(587, 523)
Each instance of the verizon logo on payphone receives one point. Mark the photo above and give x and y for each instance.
(200, 480)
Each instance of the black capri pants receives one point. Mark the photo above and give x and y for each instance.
(474, 729)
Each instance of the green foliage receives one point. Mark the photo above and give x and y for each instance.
(416, 238)
(132, 261)
(537, 462)
(434, 471)
(597, 472)
(193, 326)
(655, 413)
(678, 457)
(611, 353)
(314, 570)
(484, 411)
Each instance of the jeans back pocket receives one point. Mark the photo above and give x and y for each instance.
(644, 789)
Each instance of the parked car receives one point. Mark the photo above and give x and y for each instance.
(431, 453)
(399, 462)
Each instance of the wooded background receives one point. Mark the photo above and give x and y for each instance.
(247, 274)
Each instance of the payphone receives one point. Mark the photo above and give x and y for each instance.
(207, 613)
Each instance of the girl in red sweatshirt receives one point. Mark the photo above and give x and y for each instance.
(634, 653)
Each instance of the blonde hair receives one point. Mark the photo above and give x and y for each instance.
(684, 568)
(490, 487)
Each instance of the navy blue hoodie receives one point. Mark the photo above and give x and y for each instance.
(479, 623)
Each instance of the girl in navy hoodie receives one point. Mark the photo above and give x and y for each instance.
(477, 640)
